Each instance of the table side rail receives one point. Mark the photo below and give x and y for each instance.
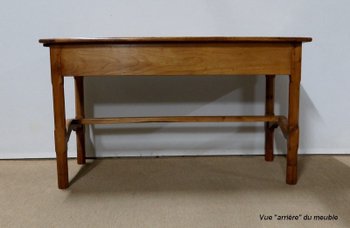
(177, 59)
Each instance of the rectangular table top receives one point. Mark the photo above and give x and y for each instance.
(121, 40)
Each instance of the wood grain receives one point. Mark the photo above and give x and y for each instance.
(293, 116)
(57, 80)
(80, 114)
(195, 59)
(114, 120)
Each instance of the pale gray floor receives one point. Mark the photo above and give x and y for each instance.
(175, 192)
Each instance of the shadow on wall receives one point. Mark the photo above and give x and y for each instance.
(309, 116)
(162, 96)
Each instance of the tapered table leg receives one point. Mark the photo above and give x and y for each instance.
(80, 114)
(269, 110)
(293, 117)
(59, 118)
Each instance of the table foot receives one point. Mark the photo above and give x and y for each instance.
(292, 175)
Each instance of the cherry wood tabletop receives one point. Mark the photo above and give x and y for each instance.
(117, 40)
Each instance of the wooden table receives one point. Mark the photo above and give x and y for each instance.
(174, 56)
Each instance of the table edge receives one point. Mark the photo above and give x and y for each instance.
(133, 40)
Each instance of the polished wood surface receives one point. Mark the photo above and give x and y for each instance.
(293, 116)
(79, 115)
(114, 120)
(59, 117)
(162, 40)
(180, 56)
(184, 59)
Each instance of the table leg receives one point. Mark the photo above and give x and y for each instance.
(269, 110)
(80, 114)
(293, 117)
(57, 80)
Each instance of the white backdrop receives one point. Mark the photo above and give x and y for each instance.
(26, 128)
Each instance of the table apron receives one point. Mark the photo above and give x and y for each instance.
(184, 59)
